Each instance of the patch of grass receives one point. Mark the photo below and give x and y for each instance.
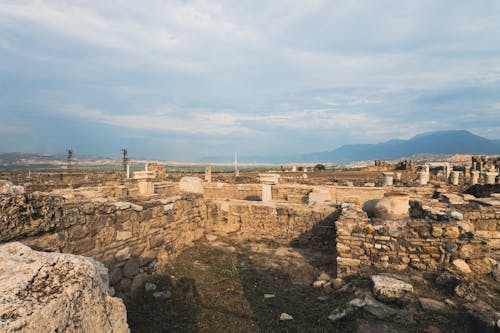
(230, 271)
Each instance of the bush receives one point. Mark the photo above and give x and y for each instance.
(319, 167)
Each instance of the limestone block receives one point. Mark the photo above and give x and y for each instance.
(390, 289)
(53, 292)
(191, 184)
(462, 266)
(394, 205)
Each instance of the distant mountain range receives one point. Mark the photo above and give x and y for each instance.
(427, 144)
(436, 143)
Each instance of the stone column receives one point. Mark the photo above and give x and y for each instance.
(467, 172)
(268, 179)
(397, 176)
(474, 177)
(236, 173)
(145, 181)
(454, 176)
(388, 178)
(208, 173)
(266, 193)
(447, 172)
(128, 171)
(423, 177)
(489, 177)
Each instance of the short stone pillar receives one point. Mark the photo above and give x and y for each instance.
(490, 177)
(467, 172)
(454, 176)
(268, 179)
(294, 168)
(474, 179)
(423, 177)
(128, 171)
(237, 173)
(447, 172)
(388, 178)
(208, 173)
(397, 177)
(267, 194)
(145, 181)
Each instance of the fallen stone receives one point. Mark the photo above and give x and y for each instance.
(162, 294)
(432, 329)
(319, 283)
(337, 283)
(211, 238)
(462, 266)
(385, 312)
(431, 304)
(138, 281)
(267, 296)
(389, 289)
(285, 316)
(364, 326)
(324, 276)
(347, 309)
(149, 287)
(55, 292)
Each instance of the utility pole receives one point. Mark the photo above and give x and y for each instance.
(124, 158)
(69, 159)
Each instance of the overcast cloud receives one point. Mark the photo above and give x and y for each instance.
(187, 79)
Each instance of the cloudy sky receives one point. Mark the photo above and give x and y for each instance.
(187, 79)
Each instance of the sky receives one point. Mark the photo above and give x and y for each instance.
(183, 80)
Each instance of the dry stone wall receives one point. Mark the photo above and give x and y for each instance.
(132, 238)
(426, 243)
(279, 222)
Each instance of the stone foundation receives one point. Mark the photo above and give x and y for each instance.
(426, 242)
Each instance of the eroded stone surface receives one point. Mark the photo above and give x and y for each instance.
(390, 289)
(53, 292)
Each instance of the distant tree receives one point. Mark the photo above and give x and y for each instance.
(300, 168)
(319, 167)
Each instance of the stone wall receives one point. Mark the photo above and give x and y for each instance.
(279, 222)
(49, 181)
(132, 238)
(418, 243)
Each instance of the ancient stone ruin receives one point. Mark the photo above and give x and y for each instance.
(362, 249)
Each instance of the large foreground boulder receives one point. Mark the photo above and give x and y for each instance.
(54, 292)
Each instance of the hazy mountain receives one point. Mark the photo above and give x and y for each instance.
(443, 142)
(437, 143)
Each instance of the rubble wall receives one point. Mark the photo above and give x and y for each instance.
(422, 244)
(131, 239)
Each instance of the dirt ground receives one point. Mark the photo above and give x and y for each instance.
(229, 286)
